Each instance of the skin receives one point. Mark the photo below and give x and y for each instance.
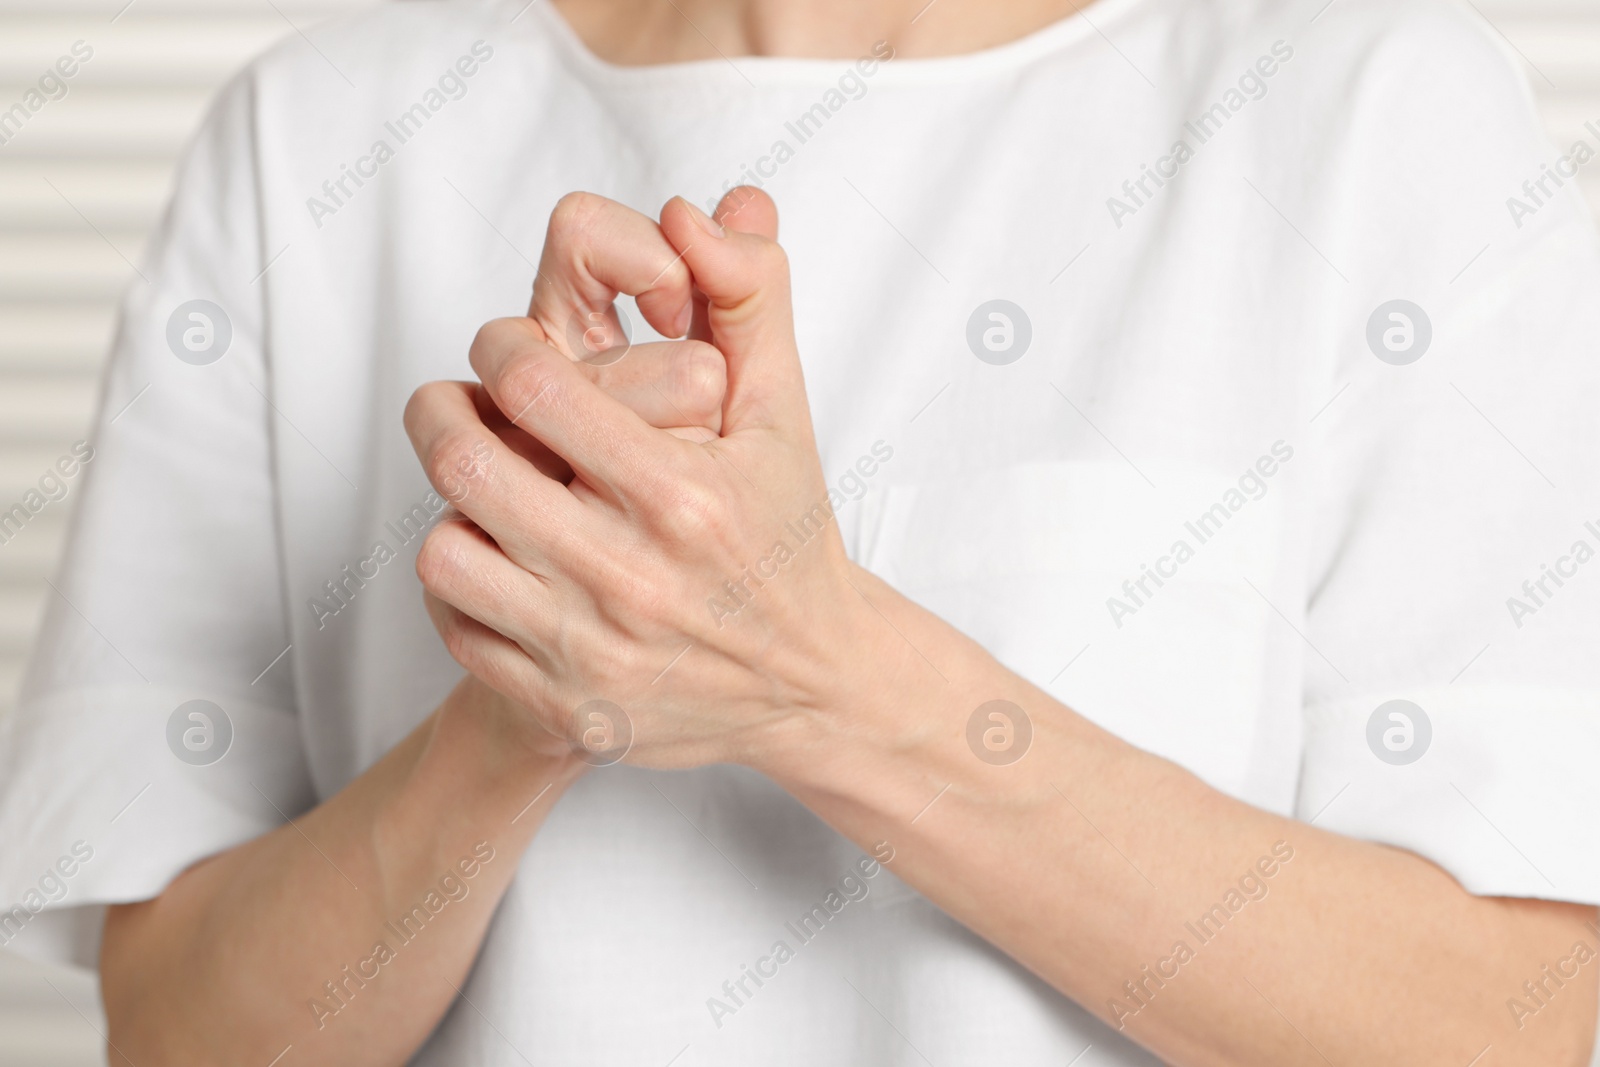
(638, 32)
(594, 525)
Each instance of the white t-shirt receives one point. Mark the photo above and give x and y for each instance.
(1198, 375)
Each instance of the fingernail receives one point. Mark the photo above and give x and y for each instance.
(707, 223)
(680, 325)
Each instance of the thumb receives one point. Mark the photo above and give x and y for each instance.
(741, 209)
(744, 275)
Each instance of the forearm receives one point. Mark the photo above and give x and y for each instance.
(1090, 861)
(276, 942)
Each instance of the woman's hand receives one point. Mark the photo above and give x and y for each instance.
(593, 249)
(680, 601)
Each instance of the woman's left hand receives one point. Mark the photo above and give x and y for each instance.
(679, 603)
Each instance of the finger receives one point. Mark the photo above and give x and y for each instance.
(742, 211)
(610, 448)
(668, 384)
(594, 249)
(461, 565)
(748, 210)
(500, 662)
(532, 517)
(519, 440)
(745, 278)
(677, 386)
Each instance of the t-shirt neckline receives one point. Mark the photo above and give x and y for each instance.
(1069, 31)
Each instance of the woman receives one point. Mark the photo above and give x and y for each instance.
(1099, 614)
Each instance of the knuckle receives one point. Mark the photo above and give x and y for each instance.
(438, 560)
(532, 377)
(674, 276)
(496, 333)
(772, 260)
(692, 512)
(700, 380)
(493, 338)
(423, 400)
(455, 450)
(575, 213)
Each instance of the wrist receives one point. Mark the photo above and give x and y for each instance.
(893, 679)
(501, 741)
(481, 769)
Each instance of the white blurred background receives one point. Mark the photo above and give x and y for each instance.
(84, 182)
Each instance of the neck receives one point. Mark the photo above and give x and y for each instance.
(641, 32)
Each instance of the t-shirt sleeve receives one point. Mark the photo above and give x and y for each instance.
(1453, 620)
(157, 722)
